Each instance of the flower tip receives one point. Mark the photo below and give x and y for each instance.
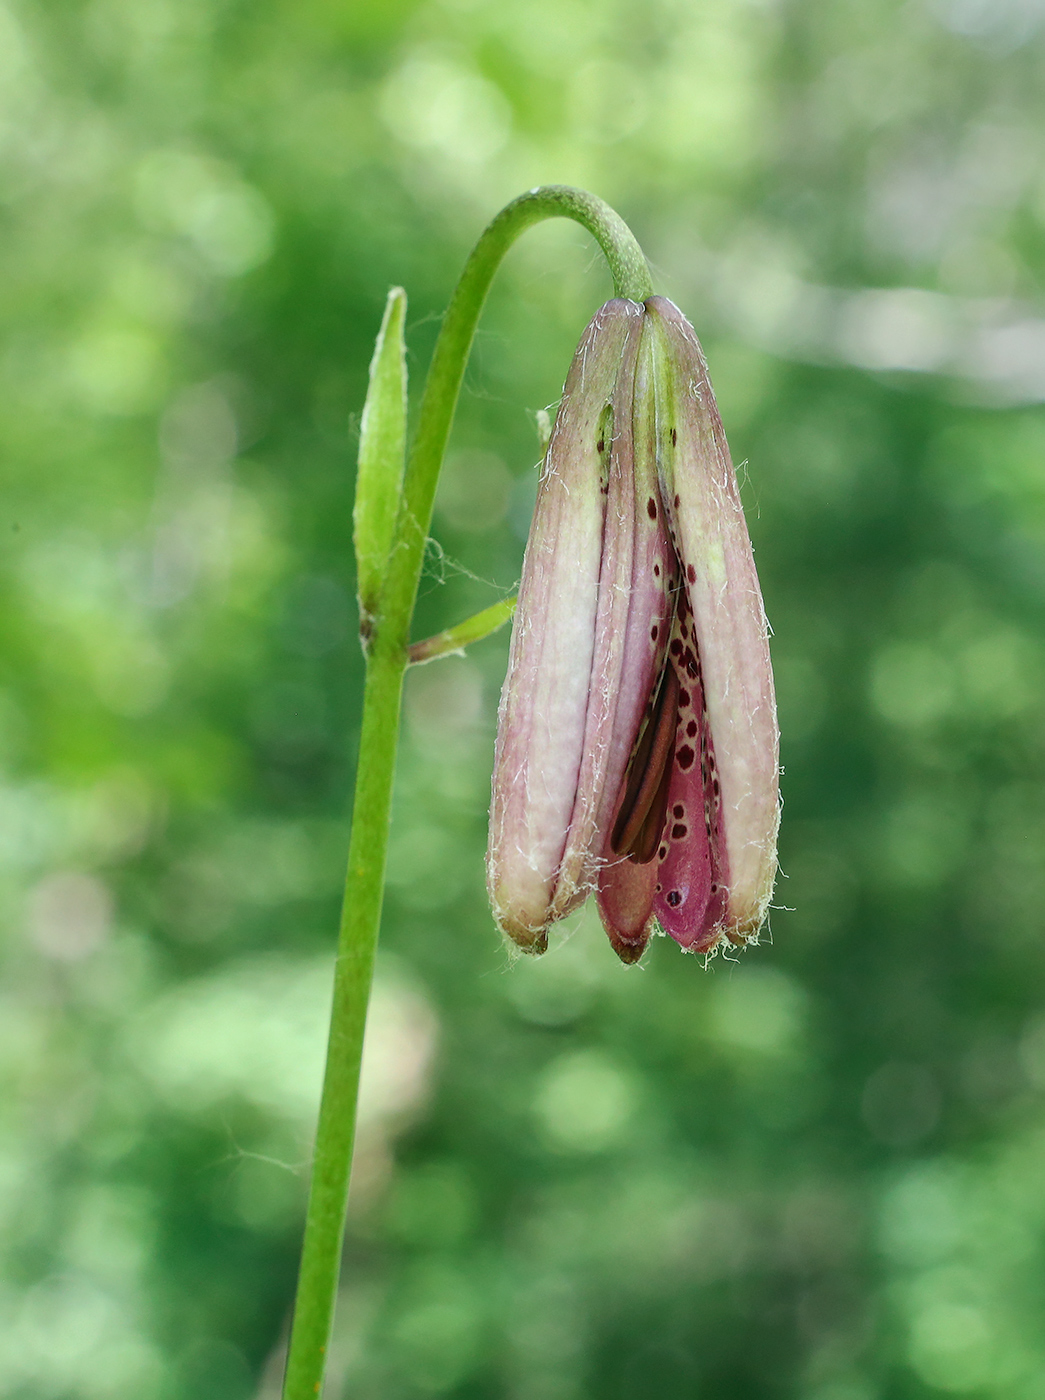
(628, 952)
(745, 931)
(530, 939)
(537, 945)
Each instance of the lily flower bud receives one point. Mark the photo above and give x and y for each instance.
(637, 747)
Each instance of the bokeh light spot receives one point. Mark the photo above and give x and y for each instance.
(584, 1101)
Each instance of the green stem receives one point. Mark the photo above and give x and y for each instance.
(357, 944)
(387, 659)
(453, 640)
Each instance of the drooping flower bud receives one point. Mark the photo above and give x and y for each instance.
(637, 741)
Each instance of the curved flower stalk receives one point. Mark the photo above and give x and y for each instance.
(637, 749)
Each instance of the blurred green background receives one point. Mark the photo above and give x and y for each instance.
(817, 1171)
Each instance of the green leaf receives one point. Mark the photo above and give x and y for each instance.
(382, 454)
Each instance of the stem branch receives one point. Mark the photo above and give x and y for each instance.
(453, 640)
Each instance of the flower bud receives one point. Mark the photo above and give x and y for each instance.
(637, 742)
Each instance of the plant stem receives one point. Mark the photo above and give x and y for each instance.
(357, 944)
(453, 640)
(387, 659)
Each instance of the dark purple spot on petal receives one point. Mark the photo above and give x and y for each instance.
(661, 854)
(600, 446)
(691, 574)
(691, 729)
(674, 438)
(676, 502)
(654, 632)
(678, 810)
(676, 647)
(679, 831)
(673, 898)
(683, 699)
(651, 508)
(685, 757)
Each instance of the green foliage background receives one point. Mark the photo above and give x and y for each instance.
(817, 1172)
